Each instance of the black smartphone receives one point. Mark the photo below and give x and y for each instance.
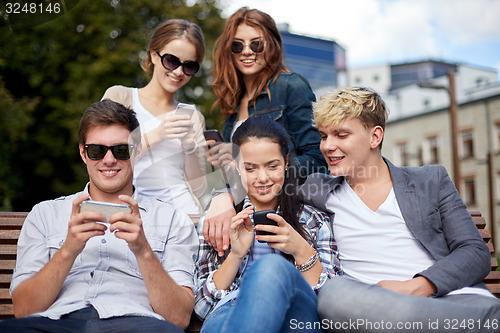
(260, 217)
(213, 134)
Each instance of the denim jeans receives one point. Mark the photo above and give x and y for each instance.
(87, 321)
(273, 297)
(346, 305)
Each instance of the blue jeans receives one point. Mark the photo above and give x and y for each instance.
(87, 320)
(351, 306)
(273, 297)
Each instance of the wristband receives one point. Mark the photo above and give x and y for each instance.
(309, 263)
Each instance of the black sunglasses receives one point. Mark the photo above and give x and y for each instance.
(171, 62)
(257, 46)
(97, 152)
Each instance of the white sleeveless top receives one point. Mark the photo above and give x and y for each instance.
(160, 171)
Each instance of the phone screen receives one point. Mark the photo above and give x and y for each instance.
(260, 217)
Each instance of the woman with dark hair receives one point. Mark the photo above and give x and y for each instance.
(250, 288)
(171, 167)
(249, 79)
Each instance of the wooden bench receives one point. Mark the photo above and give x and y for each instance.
(11, 223)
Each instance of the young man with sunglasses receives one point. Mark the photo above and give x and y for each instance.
(78, 272)
(412, 258)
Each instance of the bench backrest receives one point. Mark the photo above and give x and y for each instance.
(11, 223)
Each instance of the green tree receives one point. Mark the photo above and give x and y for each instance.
(53, 71)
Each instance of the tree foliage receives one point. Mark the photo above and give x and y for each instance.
(51, 72)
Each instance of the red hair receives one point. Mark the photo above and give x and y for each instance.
(228, 84)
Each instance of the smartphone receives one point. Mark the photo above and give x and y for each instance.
(105, 208)
(260, 217)
(185, 109)
(213, 134)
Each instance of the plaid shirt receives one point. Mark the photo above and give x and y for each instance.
(314, 221)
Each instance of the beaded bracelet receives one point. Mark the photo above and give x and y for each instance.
(309, 263)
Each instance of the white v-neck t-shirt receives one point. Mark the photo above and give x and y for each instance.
(378, 245)
(160, 171)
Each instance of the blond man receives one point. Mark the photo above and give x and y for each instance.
(412, 256)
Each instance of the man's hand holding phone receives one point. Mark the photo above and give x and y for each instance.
(128, 226)
(82, 226)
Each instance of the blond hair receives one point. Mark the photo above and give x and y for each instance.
(352, 102)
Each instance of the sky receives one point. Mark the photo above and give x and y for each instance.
(377, 32)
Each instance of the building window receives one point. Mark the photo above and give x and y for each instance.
(420, 156)
(467, 146)
(496, 143)
(469, 191)
(497, 186)
(431, 152)
(401, 155)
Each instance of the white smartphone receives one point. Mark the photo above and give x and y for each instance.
(185, 109)
(105, 208)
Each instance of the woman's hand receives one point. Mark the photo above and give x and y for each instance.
(220, 154)
(241, 232)
(286, 240)
(176, 126)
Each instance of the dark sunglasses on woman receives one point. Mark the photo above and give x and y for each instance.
(97, 152)
(171, 62)
(256, 46)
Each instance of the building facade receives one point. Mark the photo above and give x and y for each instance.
(321, 61)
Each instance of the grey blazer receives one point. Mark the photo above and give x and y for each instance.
(435, 214)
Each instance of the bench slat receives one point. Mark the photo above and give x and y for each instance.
(7, 265)
(4, 294)
(9, 234)
(493, 277)
(479, 221)
(5, 278)
(494, 264)
(485, 234)
(494, 289)
(7, 310)
(8, 249)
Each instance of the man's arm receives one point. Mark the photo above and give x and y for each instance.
(171, 301)
(462, 239)
(38, 292)
(217, 222)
